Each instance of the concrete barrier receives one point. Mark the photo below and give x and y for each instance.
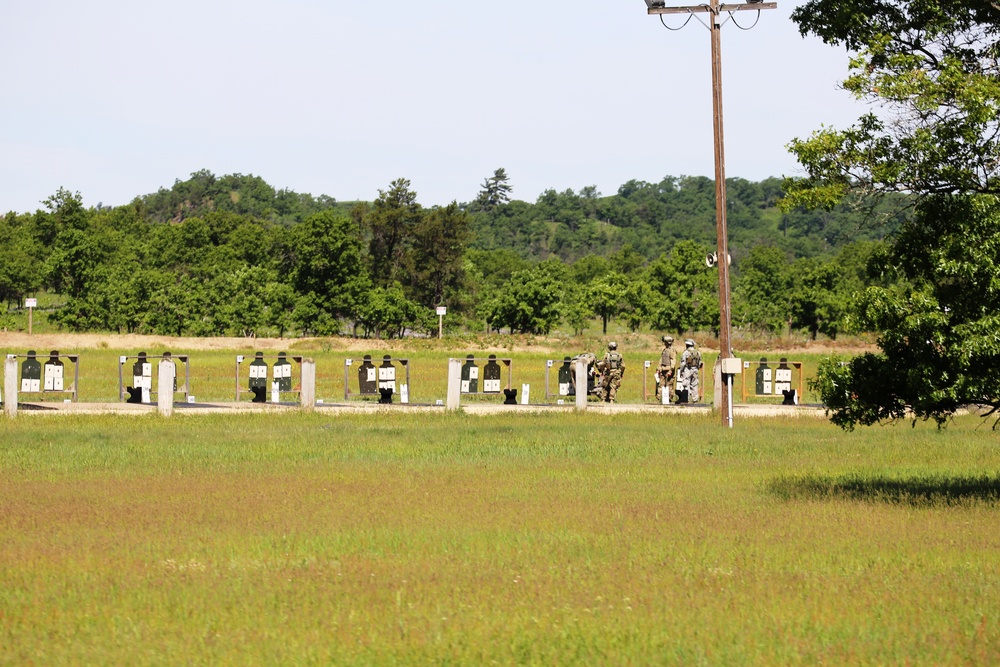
(10, 386)
(454, 384)
(307, 394)
(581, 386)
(165, 388)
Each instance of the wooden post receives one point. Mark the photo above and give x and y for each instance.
(307, 396)
(165, 388)
(30, 303)
(10, 386)
(717, 385)
(715, 9)
(441, 312)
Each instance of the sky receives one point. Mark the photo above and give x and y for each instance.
(118, 98)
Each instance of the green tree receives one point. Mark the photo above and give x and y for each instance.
(390, 223)
(21, 260)
(181, 306)
(937, 322)
(529, 303)
(280, 300)
(242, 304)
(387, 311)
(825, 289)
(932, 69)
(762, 291)
(686, 291)
(439, 242)
(626, 260)
(575, 308)
(327, 271)
(817, 302)
(588, 268)
(496, 191)
(638, 303)
(606, 296)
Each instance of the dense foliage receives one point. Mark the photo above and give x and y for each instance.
(930, 69)
(231, 255)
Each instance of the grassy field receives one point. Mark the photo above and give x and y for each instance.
(213, 372)
(449, 539)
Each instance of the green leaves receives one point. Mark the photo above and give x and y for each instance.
(931, 69)
(687, 297)
(606, 296)
(938, 326)
(530, 302)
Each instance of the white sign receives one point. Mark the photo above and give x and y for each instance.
(31, 303)
(442, 310)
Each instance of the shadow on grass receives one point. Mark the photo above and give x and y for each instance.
(918, 491)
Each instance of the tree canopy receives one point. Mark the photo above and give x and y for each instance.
(930, 67)
(233, 255)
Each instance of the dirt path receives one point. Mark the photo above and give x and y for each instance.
(20, 341)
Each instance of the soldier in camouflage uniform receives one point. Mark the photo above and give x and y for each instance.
(614, 369)
(589, 360)
(665, 373)
(689, 367)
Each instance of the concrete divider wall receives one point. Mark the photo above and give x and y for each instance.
(10, 387)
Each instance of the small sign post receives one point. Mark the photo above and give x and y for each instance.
(441, 312)
(30, 304)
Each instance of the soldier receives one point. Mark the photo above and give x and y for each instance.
(614, 369)
(690, 365)
(665, 373)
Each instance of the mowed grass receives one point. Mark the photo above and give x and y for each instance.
(450, 539)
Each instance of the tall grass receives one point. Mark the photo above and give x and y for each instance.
(554, 539)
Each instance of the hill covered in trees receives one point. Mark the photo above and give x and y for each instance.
(232, 255)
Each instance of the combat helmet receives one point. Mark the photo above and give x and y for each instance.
(689, 342)
(612, 345)
(668, 339)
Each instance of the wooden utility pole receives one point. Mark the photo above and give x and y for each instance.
(718, 14)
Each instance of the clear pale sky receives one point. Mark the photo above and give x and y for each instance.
(116, 98)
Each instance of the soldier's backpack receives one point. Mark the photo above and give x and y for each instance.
(615, 361)
(694, 359)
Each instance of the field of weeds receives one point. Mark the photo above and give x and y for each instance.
(543, 539)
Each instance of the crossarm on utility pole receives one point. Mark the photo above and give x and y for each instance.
(695, 9)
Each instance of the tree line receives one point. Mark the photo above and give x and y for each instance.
(231, 255)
